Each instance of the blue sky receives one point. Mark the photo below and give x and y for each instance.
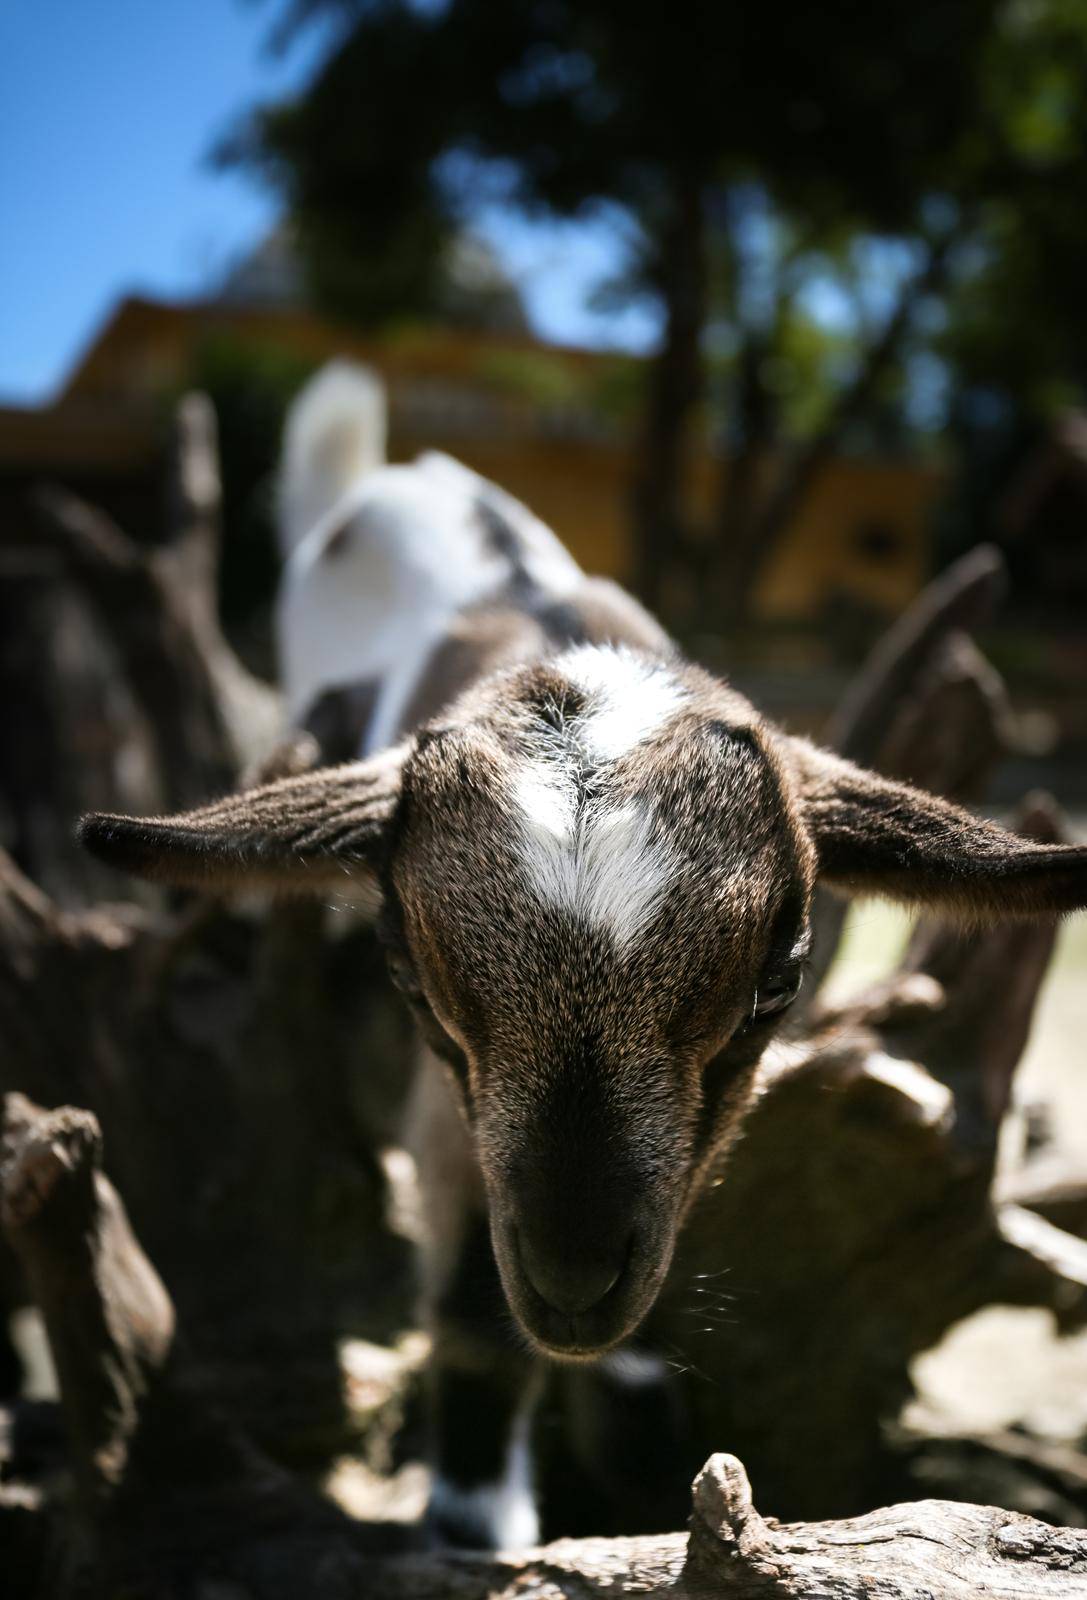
(107, 111)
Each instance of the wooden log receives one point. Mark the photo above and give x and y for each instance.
(928, 1550)
(188, 560)
(157, 604)
(926, 708)
(247, 1064)
(991, 983)
(161, 659)
(109, 1320)
(169, 1491)
(958, 601)
(71, 736)
(180, 1503)
(123, 693)
(1010, 1460)
(1055, 1189)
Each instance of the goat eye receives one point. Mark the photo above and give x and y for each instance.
(777, 993)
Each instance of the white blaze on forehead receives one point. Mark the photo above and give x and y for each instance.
(597, 856)
(629, 699)
(604, 865)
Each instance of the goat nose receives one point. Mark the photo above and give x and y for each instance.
(568, 1282)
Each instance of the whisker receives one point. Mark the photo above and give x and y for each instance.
(688, 1366)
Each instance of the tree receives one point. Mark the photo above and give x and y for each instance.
(770, 159)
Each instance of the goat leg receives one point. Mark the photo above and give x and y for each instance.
(482, 1392)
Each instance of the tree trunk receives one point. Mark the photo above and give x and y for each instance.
(745, 561)
(740, 479)
(245, 1047)
(676, 382)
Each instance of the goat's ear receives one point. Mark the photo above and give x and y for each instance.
(874, 836)
(299, 833)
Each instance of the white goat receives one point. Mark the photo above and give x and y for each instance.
(379, 559)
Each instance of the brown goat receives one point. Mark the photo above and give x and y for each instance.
(596, 863)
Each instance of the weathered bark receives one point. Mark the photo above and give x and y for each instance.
(990, 984)
(245, 1060)
(248, 1065)
(175, 1499)
(170, 1493)
(926, 708)
(71, 738)
(960, 600)
(123, 694)
(189, 558)
(929, 1550)
(109, 1319)
(157, 604)
(151, 627)
(1010, 1466)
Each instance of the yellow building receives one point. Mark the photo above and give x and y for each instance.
(530, 416)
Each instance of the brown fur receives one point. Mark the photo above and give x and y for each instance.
(582, 1068)
(874, 836)
(577, 1085)
(596, 1082)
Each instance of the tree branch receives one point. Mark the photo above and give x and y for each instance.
(750, 557)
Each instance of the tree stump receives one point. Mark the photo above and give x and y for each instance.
(176, 1502)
